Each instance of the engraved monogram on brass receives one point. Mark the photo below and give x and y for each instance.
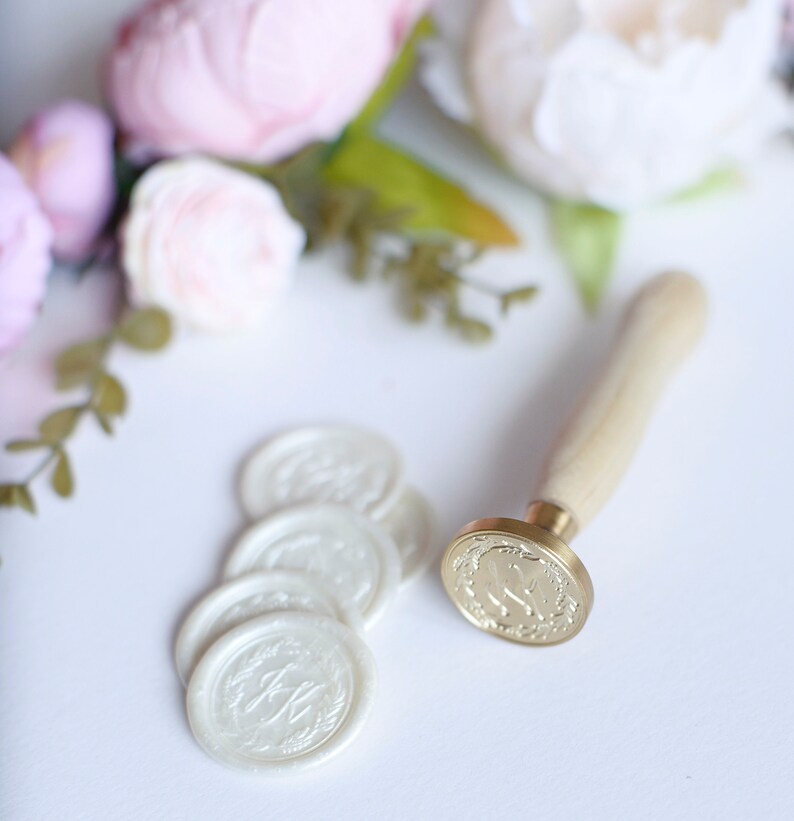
(517, 590)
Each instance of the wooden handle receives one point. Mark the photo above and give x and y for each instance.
(661, 326)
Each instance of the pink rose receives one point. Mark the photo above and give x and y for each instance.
(25, 259)
(252, 80)
(212, 245)
(65, 153)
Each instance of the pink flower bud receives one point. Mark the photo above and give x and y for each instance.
(25, 259)
(65, 153)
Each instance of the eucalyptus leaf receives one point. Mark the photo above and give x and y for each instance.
(61, 480)
(104, 422)
(472, 330)
(401, 183)
(511, 298)
(20, 445)
(588, 238)
(7, 495)
(109, 395)
(147, 329)
(78, 364)
(59, 424)
(25, 499)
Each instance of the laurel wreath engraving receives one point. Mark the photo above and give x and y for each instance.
(536, 624)
(269, 602)
(284, 697)
(337, 472)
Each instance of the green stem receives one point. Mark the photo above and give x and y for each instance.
(44, 464)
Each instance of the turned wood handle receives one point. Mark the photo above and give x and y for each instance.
(661, 326)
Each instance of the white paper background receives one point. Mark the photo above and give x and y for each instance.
(675, 702)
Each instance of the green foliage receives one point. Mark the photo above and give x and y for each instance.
(147, 329)
(587, 237)
(110, 398)
(59, 425)
(430, 203)
(392, 84)
(13, 495)
(77, 364)
(61, 480)
(721, 181)
(83, 365)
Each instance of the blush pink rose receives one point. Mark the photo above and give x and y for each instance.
(252, 80)
(25, 258)
(212, 245)
(65, 154)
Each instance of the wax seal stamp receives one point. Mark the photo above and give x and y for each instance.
(519, 579)
(280, 692)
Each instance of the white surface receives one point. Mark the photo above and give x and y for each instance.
(673, 703)
(410, 524)
(281, 693)
(254, 594)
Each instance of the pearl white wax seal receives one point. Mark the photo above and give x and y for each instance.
(254, 594)
(354, 556)
(281, 692)
(342, 465)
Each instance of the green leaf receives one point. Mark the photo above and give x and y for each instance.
(24, 499)
(78, 364)
(511, 298)
(147, 329)
(21, 445)
(59, 424)
(588, 238)
(109, 395)
(396, 77)
(720, 181)
(104, 422)
(17, 496)
(472, 330)
(398, 182)
(61, 480)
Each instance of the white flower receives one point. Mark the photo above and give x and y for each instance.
(616, 102)
(212, 245)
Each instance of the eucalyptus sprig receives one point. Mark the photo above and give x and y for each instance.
(84, 365)
(430, 273)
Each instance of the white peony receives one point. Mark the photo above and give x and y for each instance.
(212, 245)
(615, 102)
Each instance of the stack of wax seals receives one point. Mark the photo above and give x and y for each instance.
(277, 674)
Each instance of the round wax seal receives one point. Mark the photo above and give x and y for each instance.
(354, 556)
(342, 465)
(281, 692)
(254, 594)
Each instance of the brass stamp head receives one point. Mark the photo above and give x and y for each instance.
(518, 581)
